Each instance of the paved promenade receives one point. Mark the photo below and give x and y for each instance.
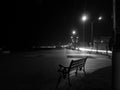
(38, 69)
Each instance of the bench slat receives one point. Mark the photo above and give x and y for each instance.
(79, 62)
(75, 66)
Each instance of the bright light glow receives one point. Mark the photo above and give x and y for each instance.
(71, 36)
(84, 18)
(109, 51)
(85, 49)
(76, 48)
(100, 18)
(74, 32)
(94, 50)
(63, 46)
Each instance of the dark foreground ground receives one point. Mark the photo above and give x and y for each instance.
(37, 70)
(98, 80)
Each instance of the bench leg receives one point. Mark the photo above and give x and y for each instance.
(84, 71)
(76, 72)
(58, 82)
(69, 80)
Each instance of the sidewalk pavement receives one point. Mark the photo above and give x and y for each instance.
(98, 80)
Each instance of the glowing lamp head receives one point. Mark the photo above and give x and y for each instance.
(100, 18)
(84, 18)
(74, 32)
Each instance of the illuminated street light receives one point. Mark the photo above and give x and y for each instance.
(100, 18)
(92, 23)
(84, 18)
(74, 39)
(73, 32)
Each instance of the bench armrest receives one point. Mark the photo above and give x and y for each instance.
(62, 68)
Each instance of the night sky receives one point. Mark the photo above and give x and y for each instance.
(50, 22)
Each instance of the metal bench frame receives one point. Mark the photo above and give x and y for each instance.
(64, 72)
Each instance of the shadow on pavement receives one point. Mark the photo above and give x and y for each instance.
(100, 79)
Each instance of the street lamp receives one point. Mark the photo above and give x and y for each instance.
(84, 18)
(92, 23)
(100, 18)
(73, 32)
(74, 39)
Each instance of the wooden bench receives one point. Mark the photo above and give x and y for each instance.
(64, 72)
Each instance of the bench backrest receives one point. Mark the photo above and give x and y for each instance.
(77, 63)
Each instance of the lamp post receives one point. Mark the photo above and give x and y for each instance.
(92, 24)
(73, 38)
(84, 18)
